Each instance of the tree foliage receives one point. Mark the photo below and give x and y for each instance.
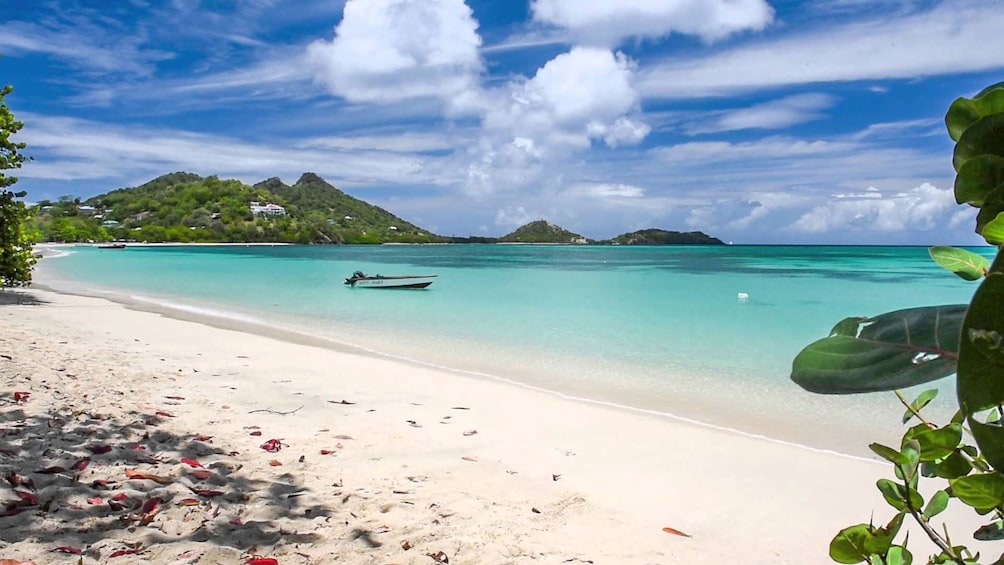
(16, 258)
(910, 347)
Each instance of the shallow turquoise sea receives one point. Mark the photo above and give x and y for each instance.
(661, 329)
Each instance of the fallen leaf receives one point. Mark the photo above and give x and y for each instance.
(272, 445)
(275, 463)
(470, 432)
(191, 462)
(326, 452)
(21, 397)
(10, 452)
(346, 402)
(122, 552)
(188, 502)
(164, 413)
(207, 493)
(30, 498)
(675, 532)
(201, 474)
(14, 511)
(81, 465)
(202, 438)
(175, 397)
(68, 549)
(134, 474)
(406, 545)
(555, 477)
(256, 433)
(14, 561)
(261, 561)
(468, 458)
(344, 437)
(534, 510)
(120, 497)
(99, 449)
(95, 500)
(439, 557)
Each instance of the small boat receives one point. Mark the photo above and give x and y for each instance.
(362, 280)
(112, 246)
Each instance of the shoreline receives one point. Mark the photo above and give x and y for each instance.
(303, 337)
(484, 471)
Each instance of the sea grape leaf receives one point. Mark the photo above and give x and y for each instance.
(985, 137)
(964, 112)
(917, 405)
(953, 467)
(896, 495)
(982, 491)
(849, 544)
(889, 454)
(977, 178)
(981, 363)
(936, 443)
(898, 555)
(937, 504)
(993, 231)
(888, 352)
(991, 532)
(965, 264)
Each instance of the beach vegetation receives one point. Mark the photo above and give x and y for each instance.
(963, 457)
(16, 258)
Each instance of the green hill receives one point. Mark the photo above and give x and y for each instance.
(541, 231)
(184, 207)
(663, 237)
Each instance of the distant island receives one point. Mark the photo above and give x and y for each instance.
(187, 208)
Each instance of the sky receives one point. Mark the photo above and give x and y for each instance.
(756, 121)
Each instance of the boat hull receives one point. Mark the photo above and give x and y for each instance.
(416, 282)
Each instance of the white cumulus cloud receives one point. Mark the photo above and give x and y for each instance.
(392, 50)
(610, 22)
(924, 208)
(775, 114)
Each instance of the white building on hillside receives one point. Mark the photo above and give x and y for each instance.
(267, 209)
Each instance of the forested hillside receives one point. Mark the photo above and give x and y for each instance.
(184, 207)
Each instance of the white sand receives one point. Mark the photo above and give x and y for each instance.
(543, 479)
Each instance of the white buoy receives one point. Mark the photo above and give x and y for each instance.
(743, 296)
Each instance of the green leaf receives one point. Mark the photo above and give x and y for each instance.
(917, 405)
(993, 231)
(981, 491)
(984, 137)
(966, 111)
(991, 532)
(889, 454)
(891, 351)
(981, 363)
(953, 466)
(936, 443)
(896, 495)
(978, 178)
(898, 555)
(936, 505)
(965, 264)
(879, 540)
(849, 545)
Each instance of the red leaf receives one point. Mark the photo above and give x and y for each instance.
(122, 552)
(188, 502)
(261, 561)
(120, 497)
(150, 505)
(138, 447)
(201, 474)
(164, 413)
(51, 470)
(14, 511)
(191, 462)
(68, 549)
(256, 433)
(134, 474)
(675, 532)
(275, 463)
(326, 452)
(202, 438)
(95, 500)
(31, 499)
(272, 445)
(81, 465)
(207, 493)
(99, 449)
(237, 522)
(21, 397)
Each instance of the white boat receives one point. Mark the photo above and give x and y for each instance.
(362, 280)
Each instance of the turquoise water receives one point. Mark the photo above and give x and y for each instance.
(658, 328)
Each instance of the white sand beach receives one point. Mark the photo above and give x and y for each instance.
(380, 462)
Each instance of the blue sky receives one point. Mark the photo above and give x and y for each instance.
(758, 121)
